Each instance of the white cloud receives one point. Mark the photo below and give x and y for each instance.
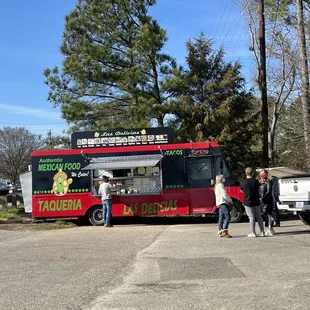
(33, 112)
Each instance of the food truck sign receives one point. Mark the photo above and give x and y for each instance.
(121, 137)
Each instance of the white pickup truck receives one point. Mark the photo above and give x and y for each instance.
(294, 191)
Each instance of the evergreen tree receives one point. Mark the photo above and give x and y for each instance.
(113, 74)
(213, 104)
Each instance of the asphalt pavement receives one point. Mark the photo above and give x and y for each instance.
(181, 264)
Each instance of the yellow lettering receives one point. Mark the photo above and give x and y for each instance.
(45, 206)
(58, 205)
(150, 209)
(64, 205)
(144, 208)
(70, 202)
(52, 205)
(40, 205)
(175, 205)
(156, 207)
(162, 209)
(135, 208)
(127, 210)
(79, 204)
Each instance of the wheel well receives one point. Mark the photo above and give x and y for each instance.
(91, 208)
(237, 201)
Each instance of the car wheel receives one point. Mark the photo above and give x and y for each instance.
(305, 217)
(95, 216)
(236, 212)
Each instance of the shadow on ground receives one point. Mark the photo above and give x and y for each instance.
(182, 220)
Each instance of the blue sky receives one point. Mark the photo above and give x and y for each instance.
(31, 33)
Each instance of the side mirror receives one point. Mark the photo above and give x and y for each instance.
(221, 165)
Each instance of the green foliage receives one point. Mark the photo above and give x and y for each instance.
(279, 10)
(113, 74)
(213, 104)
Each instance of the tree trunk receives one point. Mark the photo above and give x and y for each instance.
(305, 98)
(271, 137)
(263, 84)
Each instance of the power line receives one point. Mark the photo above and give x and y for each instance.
(214, 20)
(43, 124)
(225, 24)
(236, 23)
(224, 11)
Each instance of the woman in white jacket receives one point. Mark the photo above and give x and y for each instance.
(222, 202)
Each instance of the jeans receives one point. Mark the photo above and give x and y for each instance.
(252, 213)
(269, 216)
(224, 216)
(107, 210)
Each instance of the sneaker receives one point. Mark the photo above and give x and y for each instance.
(108, 225)
(262, 234)
(270, 232)
(220, 232)
(252, 235)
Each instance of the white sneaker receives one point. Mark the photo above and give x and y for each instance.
(262, 234)
(220, 231)
(252, 235)
(270, 232)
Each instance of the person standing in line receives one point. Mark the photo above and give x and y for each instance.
(222, 202)
(276, 194)
(266, 199)
(106, 197)
(250, 188)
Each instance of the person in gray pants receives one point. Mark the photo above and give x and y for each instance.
(250, 188)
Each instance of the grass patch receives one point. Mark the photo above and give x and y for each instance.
(65, 223)
(10, 213)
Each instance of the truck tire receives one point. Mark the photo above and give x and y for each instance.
(305, 217)
(236, 212)
(95, 216)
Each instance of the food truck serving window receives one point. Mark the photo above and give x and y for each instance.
(123, 162)
(130, 174)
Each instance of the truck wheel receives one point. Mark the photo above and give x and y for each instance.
(305, 217)
(236, 212)
(95, 216)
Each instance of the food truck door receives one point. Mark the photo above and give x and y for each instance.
(200, 184)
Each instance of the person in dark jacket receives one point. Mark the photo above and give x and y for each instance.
(267, 200)
(250, 188)
(276, 194)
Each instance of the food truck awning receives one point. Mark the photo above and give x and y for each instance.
(124, 162)
(284, 172)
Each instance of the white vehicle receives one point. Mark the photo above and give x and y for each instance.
(294, 191)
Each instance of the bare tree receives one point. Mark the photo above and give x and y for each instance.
(305, 88)
(281, 71)
(16, 145)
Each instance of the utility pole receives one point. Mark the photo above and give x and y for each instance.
(305, 88)
(263, 83)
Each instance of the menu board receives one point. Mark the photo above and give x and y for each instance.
(121, 137)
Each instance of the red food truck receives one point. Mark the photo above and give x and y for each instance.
(152, 176)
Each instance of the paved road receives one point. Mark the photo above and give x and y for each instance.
(164, 266)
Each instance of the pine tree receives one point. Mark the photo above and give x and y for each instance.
(113, 73)
(213, 103)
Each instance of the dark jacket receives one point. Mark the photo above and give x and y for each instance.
(266, 194)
